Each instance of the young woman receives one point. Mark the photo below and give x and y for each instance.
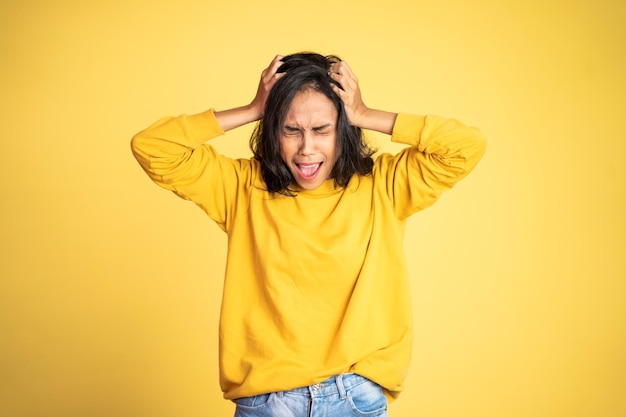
(316, 316)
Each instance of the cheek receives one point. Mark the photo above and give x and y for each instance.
(285, 152)
(333, 149)
(281, 147)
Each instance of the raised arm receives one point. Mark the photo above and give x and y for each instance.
(358, 113)
(174, 153)
(166, 148)
(233, 118)
(441, 151)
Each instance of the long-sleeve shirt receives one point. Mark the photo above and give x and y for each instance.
(316, 284)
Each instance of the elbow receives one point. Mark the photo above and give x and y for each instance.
(138, 149)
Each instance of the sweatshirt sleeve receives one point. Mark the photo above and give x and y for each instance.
(173, 153)
(442, 152)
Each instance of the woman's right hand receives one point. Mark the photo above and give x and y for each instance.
(233, 118)
(269, 76)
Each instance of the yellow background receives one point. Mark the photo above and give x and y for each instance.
(110, 287)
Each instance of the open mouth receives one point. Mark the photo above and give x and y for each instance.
(309, 171)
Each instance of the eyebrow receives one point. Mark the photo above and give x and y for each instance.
(322, 127)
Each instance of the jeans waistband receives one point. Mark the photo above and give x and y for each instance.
(337, 384)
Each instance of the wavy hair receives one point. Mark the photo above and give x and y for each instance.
(303, 71)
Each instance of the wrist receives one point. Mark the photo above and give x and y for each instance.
(253, 112)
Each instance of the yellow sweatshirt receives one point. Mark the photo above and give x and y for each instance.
(316, 284)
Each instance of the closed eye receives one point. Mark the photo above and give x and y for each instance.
(323, 130)
(291, 131)
(318, 130)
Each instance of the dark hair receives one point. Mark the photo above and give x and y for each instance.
(304, 71)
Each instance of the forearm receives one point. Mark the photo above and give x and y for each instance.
(378, 120)
(239, 116)
(171, 137)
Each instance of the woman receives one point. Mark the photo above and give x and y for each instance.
(316, 316)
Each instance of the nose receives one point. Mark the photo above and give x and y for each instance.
(307, 144)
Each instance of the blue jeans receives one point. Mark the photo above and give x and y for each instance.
(346, 395)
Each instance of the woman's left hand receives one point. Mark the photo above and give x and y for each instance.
(359, 114)
(351, 93)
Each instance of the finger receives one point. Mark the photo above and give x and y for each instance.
(271, 80)
(277, 76)
(347, 83)
(270, 74)
(346, 68)
(342, 68)
(345, 77)
(341, 93)
(275, 60)
(276, 63)
(336, 81)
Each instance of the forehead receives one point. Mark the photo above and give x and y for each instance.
(310, 108)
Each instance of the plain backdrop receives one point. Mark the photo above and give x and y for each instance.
(110, 287)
